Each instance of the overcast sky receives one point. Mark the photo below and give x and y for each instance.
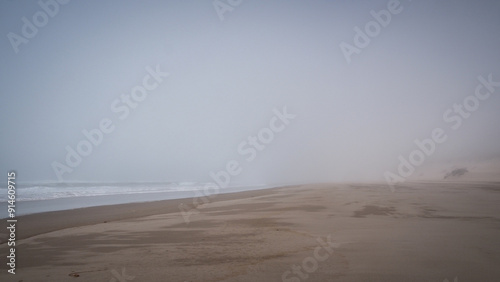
(230, 68)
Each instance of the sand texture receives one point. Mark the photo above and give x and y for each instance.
(323, 232)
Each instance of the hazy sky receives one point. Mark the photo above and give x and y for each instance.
(228, 71)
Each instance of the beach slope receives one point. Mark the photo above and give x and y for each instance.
(323, 232)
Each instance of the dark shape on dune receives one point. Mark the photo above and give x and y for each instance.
(456, 172)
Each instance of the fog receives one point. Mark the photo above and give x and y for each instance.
(218, 72)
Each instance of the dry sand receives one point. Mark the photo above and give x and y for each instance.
(356, 232)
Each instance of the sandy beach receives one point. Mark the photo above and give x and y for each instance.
(323, 232)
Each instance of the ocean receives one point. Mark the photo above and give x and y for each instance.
(44, 197)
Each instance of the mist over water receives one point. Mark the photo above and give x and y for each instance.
(250, 140)
(172, 91)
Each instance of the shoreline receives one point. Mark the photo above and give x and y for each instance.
(26, 207)
(316, 232)
(65, 218)
(36, 223)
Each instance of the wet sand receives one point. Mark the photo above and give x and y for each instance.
(327, 232)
